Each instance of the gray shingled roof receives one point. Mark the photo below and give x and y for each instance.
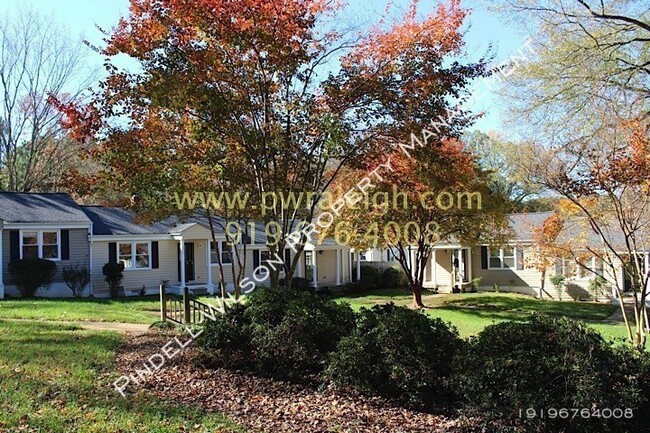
(22, 207)
(118, 221)
(523, 224)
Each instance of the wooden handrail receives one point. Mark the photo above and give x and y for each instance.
(183, 310)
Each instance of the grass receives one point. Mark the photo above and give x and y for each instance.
(127, 310)
(57, 378)
(471, 312)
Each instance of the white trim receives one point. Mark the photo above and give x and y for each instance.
(501, 257)
(134, 254)
(129, 238)
(45, 226)
(219, 251)
(39, 242)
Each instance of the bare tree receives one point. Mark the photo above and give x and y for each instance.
(38, 58)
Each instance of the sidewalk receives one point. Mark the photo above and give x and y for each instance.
(124, 328)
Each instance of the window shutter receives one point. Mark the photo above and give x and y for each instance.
(65, 244)
(112, 252)
(484, 257)
(287, 259)
(14, 245)
(256, 259)
(154, 255)
(519, 265)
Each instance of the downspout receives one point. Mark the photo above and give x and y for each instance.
(90, 259)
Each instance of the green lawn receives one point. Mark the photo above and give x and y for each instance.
(128, 310)
(471, 312)
(57, 378)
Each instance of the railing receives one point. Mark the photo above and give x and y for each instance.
(183, 309)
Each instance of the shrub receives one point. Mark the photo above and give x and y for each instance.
(281, 333)
(226, 341)
(294, 331)
(76, 277)
(398, 353)
(393, 278)
(548, 363)
(300, 283)
(113, 275)
(369, 278)
(32, 274)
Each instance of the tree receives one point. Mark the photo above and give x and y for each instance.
(500, 157)
(438, 193)
(544, 252)
(606, 184)
(591, 57)
(38, 58)
(243, 95)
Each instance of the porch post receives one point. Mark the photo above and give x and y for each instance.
(358, 266)
(469, 264)
(209, 266)
(349, 254)
(2, 286)
(314, 277)
(182, 262)
(299, 272)
(338, 267)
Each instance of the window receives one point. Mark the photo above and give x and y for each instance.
(30, 245)
(134, 255)
(225, 248)
(588, 268)
(363, 257)
(506, 258)
(265, 256)
(40, 243)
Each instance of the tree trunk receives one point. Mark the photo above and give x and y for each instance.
(416, 290)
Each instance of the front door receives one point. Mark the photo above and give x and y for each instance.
(189, 261)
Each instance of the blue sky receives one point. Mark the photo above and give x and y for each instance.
(485, 28)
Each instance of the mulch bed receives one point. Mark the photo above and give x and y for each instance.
(264, 405)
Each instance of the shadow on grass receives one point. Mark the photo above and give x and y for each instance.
(513, 308)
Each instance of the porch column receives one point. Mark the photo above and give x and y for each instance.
(469, 264)
(358, 266)
(349, 255)
(209, 266)
(2, 286)
(299, 271)
(314, 277)
(182, 262)
(338, 267)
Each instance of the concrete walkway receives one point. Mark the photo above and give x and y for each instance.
(124, 328)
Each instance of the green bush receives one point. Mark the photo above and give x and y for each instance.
(113, 275)
(226, 341)
(369, 278)
(281, 333)
(400, 354)
(393, 278)
(293, 332)
(32, 274)
(549, 363)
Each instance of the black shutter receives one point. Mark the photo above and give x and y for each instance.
(256, 259)
(112, 252)
(65, 244)
(154, 255)
(14, 245)
(484, 257)
(287, 259)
